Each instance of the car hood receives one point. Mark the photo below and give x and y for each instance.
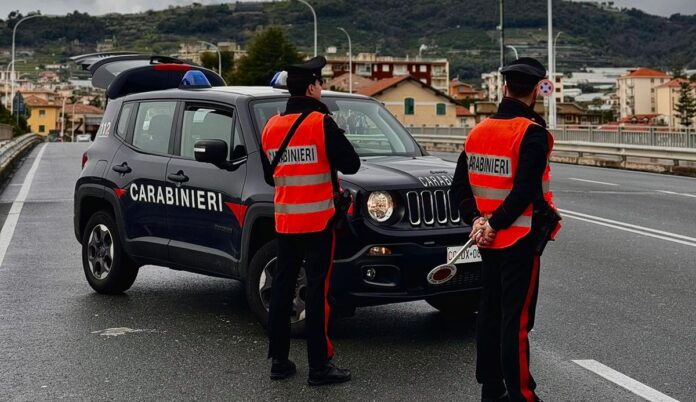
(399, 172)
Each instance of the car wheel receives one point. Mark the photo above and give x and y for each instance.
(260, 282)
(459, 305)
(107, 268)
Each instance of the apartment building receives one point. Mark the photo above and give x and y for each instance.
(433, 72)
(636, 91)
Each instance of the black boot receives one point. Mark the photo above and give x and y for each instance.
(329, 374)
(282, 369)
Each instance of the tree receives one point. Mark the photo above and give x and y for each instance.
(209, 60)
(268, 53)
(686, 106)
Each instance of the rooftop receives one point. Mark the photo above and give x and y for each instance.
(646, 72)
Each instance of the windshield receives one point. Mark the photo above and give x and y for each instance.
(370, 127)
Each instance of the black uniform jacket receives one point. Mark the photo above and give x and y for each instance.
(530, 169)
(341, 154)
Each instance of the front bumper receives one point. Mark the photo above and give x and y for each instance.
(401, 275)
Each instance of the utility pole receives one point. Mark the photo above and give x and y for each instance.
(502, 50)
(552, 70)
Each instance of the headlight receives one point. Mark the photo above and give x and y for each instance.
(380, 206)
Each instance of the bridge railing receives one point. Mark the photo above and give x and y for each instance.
(12, 150)
(651, 149)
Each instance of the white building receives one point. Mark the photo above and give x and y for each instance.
(636, 91)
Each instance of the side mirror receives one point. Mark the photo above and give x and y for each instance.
(211, 151)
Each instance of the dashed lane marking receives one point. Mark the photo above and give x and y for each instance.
(624, 381)
(592, 181)
(627, 227)
(675, 193)
(11, 222)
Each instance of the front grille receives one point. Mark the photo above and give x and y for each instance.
(431, 208)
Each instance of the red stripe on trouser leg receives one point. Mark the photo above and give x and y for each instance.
(524, 320)
(327, 308)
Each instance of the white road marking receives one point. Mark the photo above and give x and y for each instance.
(592, 181)
(13, 216)
(627, 227)
(675, 193)
(624, 381)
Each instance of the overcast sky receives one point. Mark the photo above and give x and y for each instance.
(96, 7)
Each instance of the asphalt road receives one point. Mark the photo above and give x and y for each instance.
(607, 294)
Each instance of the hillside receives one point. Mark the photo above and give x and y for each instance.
(463, 31)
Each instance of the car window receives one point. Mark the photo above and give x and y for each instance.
(206, 123)
(122, 126)
(370, 127)
(153, 126)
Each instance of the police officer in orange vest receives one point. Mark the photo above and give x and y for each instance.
(501, 185)
(305, 188)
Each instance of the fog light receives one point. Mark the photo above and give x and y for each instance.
(379, 251)
(370, 274)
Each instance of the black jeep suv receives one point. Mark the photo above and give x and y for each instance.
(155, 190)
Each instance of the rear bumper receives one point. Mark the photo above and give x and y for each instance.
(401, 276)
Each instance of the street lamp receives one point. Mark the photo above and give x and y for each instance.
(217, 49)
(315, 24)
(14, 33)
(554, 50)
(350, 61)
(515, 50)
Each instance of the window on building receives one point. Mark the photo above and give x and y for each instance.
(42, 112)
(400, 70)
(441, 109)
(42, 128)
(409, 105)
(423, 68)
(364, 69)
(204, 123)
(385, 68)
(153, 126)
(375, 68)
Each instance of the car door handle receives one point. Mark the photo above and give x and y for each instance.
(122, 168)
(179, 177)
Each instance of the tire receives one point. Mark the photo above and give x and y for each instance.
(456, 305)
(107, 268)
(259, 284)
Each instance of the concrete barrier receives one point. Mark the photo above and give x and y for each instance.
(5, 132)
(12, 150)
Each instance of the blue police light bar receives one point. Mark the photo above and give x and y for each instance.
(194, 79)
(280, 80)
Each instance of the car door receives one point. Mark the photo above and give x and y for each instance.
(138, 170)
(206, 214)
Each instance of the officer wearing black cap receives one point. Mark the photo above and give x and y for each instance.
(501, 186)
(305, 192)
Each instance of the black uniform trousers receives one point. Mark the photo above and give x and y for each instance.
(510, 279)
(317, 251)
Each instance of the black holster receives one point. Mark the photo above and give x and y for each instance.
(545, 220)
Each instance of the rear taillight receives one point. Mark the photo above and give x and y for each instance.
(85, 158)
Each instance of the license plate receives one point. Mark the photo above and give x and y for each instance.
(470, 255)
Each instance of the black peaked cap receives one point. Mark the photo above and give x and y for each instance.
(309, 69)
(528, 68)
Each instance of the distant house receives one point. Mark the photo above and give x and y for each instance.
(44, 115)
(465, 117)
(463, 91)
(636, 91)
(414, 102)
(667, 98)
(342, 83)
(84, 118)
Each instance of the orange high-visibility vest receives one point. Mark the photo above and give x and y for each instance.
(493, 150)
(303, 190)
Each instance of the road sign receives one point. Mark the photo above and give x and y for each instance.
(545, 87)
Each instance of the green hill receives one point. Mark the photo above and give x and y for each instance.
(463, 31)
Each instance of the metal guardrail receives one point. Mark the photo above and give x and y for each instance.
(11, 150)
(678, 160)
(644, 136)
